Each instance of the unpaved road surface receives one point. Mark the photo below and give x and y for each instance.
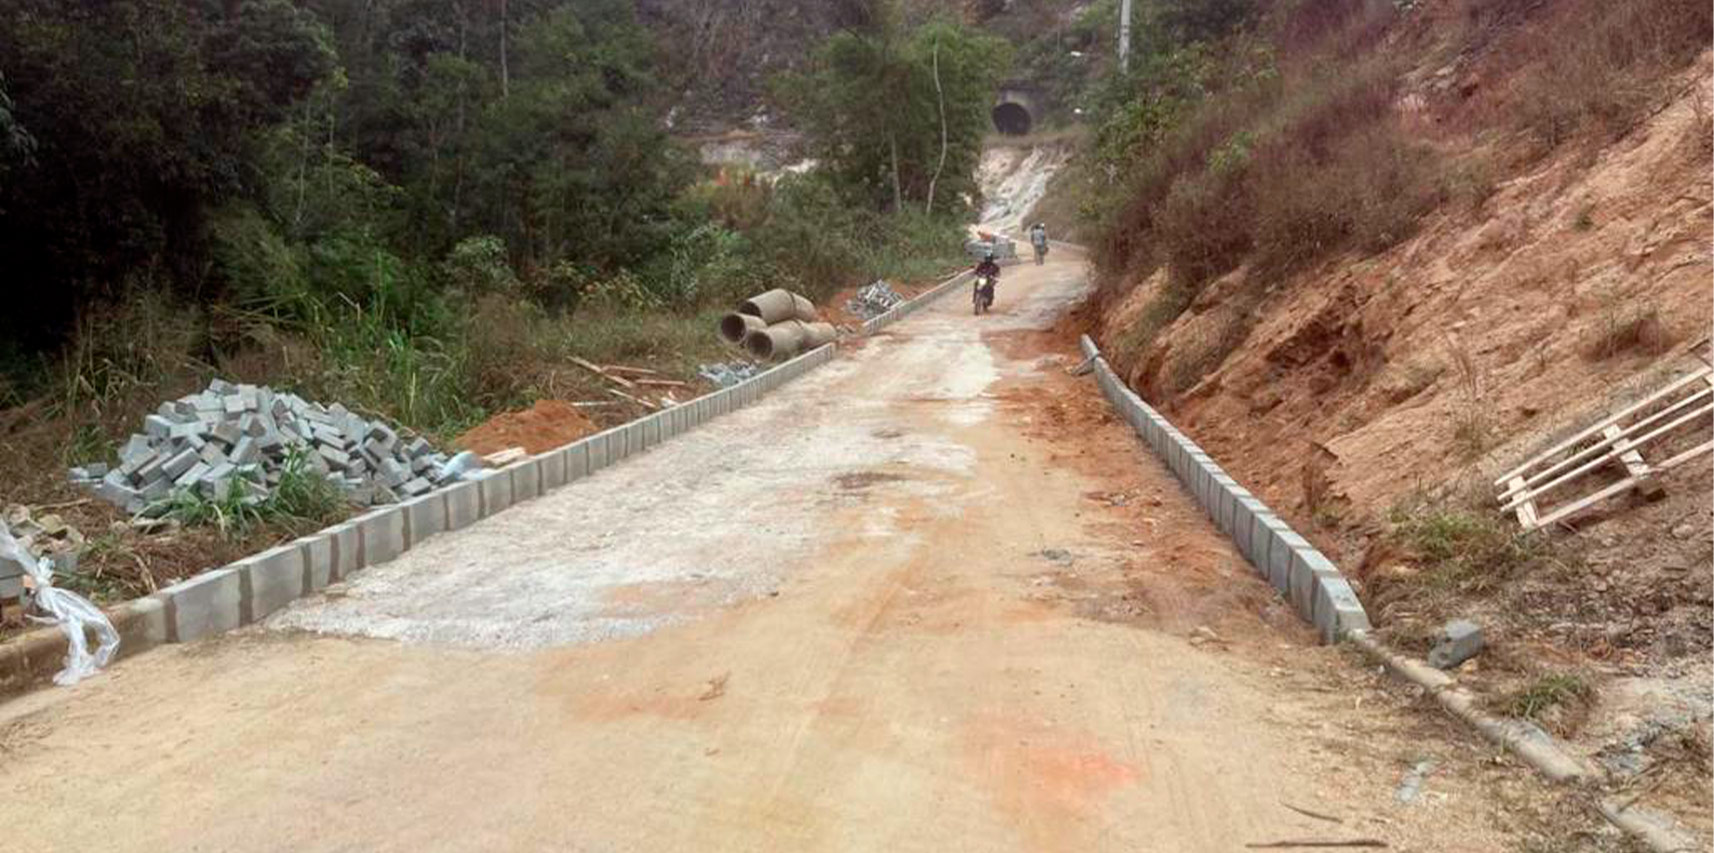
(931, 597)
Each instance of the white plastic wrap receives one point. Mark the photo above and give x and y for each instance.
(70, 611)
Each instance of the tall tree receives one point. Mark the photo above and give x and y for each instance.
(888, 108)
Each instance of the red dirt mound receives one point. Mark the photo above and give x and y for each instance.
(538, 429)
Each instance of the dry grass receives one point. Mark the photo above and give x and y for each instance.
(1285, 171)
(1620, 330)
(1472, 427)
(1601, 65)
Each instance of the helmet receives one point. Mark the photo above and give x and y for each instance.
(988, 257)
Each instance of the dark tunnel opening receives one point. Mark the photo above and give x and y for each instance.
(1011, 118)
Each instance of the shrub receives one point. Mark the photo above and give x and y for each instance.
(1603, 64)
(478, 265)
(1620, 330)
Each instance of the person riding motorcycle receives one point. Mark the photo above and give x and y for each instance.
(987, 278)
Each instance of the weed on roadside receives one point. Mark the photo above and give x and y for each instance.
(1465, 549)
(1558, 701)
(302, 500)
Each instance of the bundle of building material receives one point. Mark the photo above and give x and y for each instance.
(241, 437)
(777, 324)
(873, 300)
(44, 536)
(1000, 246)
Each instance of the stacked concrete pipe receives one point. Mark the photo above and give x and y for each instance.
(786, 339)
(777, 324)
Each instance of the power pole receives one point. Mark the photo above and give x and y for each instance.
(1124, 36)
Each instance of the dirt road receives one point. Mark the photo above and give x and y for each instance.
(928, 598)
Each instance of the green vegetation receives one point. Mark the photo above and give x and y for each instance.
(897, 116)
(421, 207)
(1466, 550)
(302, 501)
(1533, 700)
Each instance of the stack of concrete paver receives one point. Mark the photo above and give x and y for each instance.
(727, 374)
(241, 436)
(873, 300)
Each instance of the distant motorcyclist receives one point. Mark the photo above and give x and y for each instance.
(987, 276)
(1038, 239)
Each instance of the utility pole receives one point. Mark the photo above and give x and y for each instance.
(1124, 36)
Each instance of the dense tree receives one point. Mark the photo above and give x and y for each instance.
(879, 102)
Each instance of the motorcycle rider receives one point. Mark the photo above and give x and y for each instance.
(1038, 239)
(988, 267)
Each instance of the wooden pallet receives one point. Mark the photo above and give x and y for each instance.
(1616, 442)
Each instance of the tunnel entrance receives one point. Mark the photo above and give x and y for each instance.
(1011, 118)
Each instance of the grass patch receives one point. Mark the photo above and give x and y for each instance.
(1533, 700)
(1472, 433)
(1464, 551)
(1214, 339)
(303, 500)
(1557, 701)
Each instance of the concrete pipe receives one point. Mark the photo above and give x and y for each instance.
(778, 305)
(817, 335)
(777, 341)
(735, 327)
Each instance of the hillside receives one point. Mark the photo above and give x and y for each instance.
(1368, 302)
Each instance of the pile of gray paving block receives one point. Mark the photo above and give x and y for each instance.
(241, 436)
(873, 300)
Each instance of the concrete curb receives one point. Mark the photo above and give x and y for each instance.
(1310, 581)
(246, 591)
(911, 306)
(1529, 743)
(1321, 595)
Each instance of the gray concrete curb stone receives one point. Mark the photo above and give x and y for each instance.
(203, 605)
(320, 551)
(269, 581)
(496, 491)
(382, 535)
(424, 517)
(1308, 580)
(463, 504)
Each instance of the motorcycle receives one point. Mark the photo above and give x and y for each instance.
(982, 294)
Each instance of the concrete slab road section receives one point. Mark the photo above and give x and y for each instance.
(932, 596)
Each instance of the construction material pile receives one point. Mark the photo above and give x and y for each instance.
(777, 325)
(44, 536)
(727, 374)
(873, 300)
(242, 436)
(999, 245)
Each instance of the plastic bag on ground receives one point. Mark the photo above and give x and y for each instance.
(72, 612)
